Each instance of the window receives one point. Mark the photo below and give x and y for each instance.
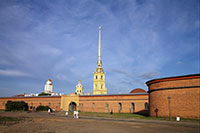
(119, 107)
(101, 77)
(31, 106)
(107, 106)
(81, 104)
(93, 105)
(96, 76)
(96, 85)
(3, 103)
(132, 107)
(101, 86)
(146, 106)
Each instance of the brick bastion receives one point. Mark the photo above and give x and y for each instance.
(176, 96)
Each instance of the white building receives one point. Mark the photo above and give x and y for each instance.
(48, 88)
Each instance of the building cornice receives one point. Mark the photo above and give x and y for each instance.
(173, 88)
(110, 95)
(31, 97)
(183, 77)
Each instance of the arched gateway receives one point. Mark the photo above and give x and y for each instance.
(72, 106)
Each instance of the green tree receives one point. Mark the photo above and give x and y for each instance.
(16, 106)
(44, 94)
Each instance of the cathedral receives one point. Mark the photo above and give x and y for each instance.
(181, 91)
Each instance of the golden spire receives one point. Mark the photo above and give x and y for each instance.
(99, 63)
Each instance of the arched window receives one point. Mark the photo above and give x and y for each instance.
(119, 107)
(101, 77)
(80, 104)
(146, 106)
(31, 106)
(3, 103)
(96, 76)
(107, 106)
(93, 105)
(132, 107)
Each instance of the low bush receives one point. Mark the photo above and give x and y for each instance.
(42, 108)
(44, 94)
(16, 106)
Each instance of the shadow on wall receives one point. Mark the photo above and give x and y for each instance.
(143, 112)
(156, 111)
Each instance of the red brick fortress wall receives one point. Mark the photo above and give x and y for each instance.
(104, 103)
(184, 94)
(51, 101)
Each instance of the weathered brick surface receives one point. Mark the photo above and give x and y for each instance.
(98, 103)
(89, 103)
(52, 102)
(185, 100)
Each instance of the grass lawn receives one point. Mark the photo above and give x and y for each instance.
(130, 116)
(114, 115)
(5, 119)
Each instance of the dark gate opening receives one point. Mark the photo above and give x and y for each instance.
(72, 107)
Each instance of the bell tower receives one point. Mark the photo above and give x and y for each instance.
(99, 75)
(79, 88)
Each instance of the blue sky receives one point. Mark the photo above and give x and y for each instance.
(141, 40)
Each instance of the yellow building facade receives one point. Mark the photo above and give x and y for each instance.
(99, 75)
(69, 102)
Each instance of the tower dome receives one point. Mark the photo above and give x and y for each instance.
(138, 90)
(79, 84)
(79, 88)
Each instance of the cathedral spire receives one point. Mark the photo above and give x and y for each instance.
(99, 86)
(99, 63)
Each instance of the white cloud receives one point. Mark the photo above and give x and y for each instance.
(13, 73)
(123, 72)
(5, 62)
(47, 49)
(62, 77)
(179, 62)
(7, 92)
(197, 24)
(149, 75)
